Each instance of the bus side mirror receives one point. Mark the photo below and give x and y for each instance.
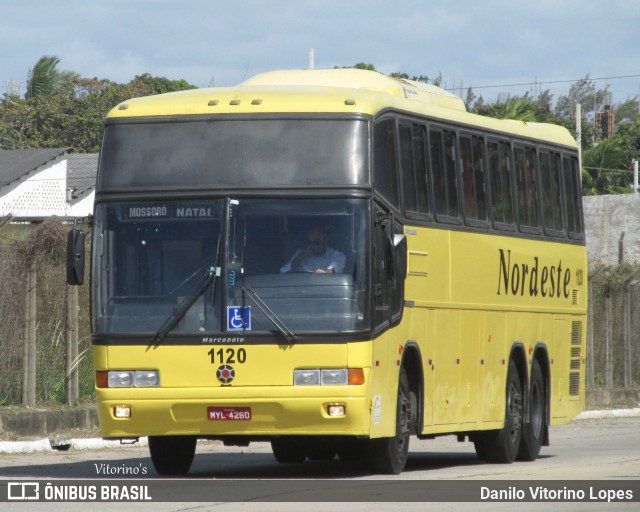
(400, 257)
(75, 257)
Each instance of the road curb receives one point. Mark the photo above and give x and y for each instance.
(58, 444)
(61, 444)
(609, 413)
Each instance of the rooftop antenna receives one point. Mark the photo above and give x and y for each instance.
(311, 58)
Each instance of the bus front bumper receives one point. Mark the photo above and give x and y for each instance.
(249, 416)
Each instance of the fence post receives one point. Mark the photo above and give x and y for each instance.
(591, 379)
(627, 330)
(608, 338)
(72, 345)
(29, 349)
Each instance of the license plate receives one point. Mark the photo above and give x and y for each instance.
(229, 413)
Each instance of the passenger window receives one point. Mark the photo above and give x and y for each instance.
(572, 196)
(473, 180)
(526, 186)
(414, 168)
(551, 198)
(500, 173)
(442, 144)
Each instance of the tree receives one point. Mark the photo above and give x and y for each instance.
(71, 115)
(471, 97)
(44, 78)
(585, 92)
(545, 99)
(627, 111)
(161, 85)
(364, 65)
(606, 169)
(627, 137)
(521, 108)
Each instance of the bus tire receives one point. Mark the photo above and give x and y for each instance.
(172, 455)
(502, 445)
(289, 450)
(389, 455)
(533, 431)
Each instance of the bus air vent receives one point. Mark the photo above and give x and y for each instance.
(576, 332)
(574, 383)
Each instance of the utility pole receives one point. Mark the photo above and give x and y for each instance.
(312, 63)
(579, 137)
(635, 175)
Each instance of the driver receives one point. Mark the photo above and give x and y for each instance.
(317, 256)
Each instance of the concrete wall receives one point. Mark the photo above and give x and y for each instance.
(606, 219)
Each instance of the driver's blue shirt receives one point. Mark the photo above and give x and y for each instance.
(331, 259)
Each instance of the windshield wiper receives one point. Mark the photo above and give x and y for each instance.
(178, 313)
(284, 330)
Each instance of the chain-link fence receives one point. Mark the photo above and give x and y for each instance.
(613, 358)
(34, 321)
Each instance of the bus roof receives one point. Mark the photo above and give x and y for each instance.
(330, 91)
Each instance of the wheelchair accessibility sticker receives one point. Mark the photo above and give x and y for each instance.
(238, 318)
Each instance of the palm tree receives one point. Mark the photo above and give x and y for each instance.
(523, 109)
(44, 78)
(607, 167)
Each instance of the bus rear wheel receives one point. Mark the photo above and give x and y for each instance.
(172, 455)
(389, 455)
(502, 445)
(533, 431)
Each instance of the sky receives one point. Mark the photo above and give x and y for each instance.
(489, 45)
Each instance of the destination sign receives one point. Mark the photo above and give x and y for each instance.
(198, 210)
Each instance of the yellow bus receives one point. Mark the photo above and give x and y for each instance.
(334, 261)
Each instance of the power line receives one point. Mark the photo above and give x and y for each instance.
(546, 82)
(605, 169)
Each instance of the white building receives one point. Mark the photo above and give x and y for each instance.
(38, 183)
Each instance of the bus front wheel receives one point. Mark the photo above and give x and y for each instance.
(502, 445)
(389, 454)
(172, 455)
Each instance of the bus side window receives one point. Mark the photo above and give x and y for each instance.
(442, 144)
(414, 168)
(551, 200)
(473, 180)
(526, 187)
(572, 196)
(500, 177)
(385, 167)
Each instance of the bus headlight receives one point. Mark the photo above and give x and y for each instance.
(328, 377)
(120, 379)
(333, 377)
(306, 377)
(146, 379)
(128, 379)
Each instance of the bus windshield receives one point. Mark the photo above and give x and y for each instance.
(292, 266)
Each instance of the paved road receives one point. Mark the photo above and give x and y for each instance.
(595, 449)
